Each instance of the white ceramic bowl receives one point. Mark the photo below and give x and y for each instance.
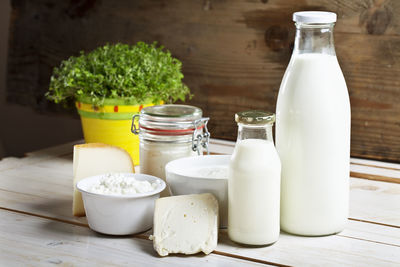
(119, 214)
(183, 177)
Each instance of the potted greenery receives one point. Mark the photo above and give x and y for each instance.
(112, 83)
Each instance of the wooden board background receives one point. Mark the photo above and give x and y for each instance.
(234, 53)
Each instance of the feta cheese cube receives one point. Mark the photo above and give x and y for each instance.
(185, 224)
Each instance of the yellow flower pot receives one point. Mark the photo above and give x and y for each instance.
(111, 124)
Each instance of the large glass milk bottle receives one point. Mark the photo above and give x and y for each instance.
(313, 132)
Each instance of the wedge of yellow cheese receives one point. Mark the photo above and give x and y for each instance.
(94, 159)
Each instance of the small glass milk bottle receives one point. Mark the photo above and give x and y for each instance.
(254, 182)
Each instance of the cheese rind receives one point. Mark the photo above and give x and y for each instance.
(94, 159)
(185, 224)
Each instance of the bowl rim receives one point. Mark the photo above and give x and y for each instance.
(145, 177)
(168, 167)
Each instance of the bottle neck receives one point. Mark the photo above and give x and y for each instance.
(246, 131)
(314, 38)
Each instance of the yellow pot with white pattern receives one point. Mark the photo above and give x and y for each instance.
(111, 124)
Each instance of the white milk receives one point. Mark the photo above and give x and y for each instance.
(313, 142)
(254, 193)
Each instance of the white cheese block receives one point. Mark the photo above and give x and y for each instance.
(94, 159)
(185, 224)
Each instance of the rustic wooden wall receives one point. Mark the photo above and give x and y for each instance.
(234, 53)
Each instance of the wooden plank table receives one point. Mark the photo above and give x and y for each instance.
(37, 228)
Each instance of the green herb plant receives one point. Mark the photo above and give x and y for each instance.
(131, 74)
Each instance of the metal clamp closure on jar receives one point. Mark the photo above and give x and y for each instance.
(173, 124)
(202, 139)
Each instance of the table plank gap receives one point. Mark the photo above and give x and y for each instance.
(374, 177)
(19, 193)
(249, 259)
(375, 166)
(226, 254)
(377, 223)
(376, 163)
(45, 217)
(367, 240)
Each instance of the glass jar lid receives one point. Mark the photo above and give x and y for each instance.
(172, 111)
(255, 117)
(171, 119)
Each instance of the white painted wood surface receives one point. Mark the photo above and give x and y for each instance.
(375, 201)
(335, 250)
(34, 241)
(39, 189)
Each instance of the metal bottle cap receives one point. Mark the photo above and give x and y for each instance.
(255, 117)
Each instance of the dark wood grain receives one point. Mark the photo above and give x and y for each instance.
(234, 53)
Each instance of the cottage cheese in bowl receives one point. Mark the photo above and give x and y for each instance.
(120, 203)
(120, 184)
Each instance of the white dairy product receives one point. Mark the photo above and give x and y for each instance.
(213, 172)
(95, 159)
(254, 193)
(185, 224)
(201, 174)
(155, 155)
(313, 142)
(119, 184)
